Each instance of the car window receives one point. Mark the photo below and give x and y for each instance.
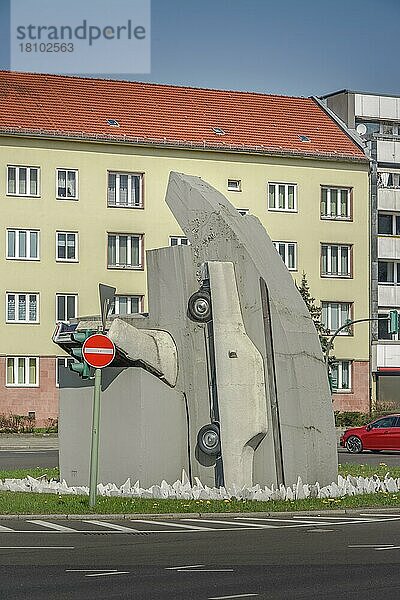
(398, 422)
(385, 422)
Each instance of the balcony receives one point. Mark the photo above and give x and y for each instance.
(389, 247)
(389, 199)
(385, 354)
(389, 295)
(388, 151)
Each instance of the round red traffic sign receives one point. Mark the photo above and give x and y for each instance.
(98, 351)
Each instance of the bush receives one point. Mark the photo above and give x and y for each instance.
(16, 423)
(50, 427)
(357, 419)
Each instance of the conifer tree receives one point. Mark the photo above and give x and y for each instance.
(314, 310)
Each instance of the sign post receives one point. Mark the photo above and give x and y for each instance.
(98, 351)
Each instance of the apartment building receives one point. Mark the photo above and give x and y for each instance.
(84, 165)
(375, 118)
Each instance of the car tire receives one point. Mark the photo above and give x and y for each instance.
(354, 445)
(199, 307)
(208, 439)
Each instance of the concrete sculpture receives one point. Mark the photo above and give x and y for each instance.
(223, 377)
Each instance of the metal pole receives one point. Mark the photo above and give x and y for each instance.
(94, 452)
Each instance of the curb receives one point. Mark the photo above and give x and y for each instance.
(214, 515)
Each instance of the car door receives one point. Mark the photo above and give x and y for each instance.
(380, 435)
(393, 435)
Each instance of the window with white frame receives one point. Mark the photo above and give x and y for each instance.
(125, 190)
(125, 251)
(22, 308)
(335, 203)
(340, 371)
(388, 224)
(66, 306)
(178, 240)
(335, 315)
(389, 272)
(67, 184)
(287, 251)
(22, 371)
(127, 305)
(22, 244)
(234, 185)
(282, 196)
(336, 260)
(61, 363)
(67, 246)
(22, 181)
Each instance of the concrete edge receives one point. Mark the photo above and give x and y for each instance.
(199, 515)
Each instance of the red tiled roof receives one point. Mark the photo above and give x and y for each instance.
(151, 113)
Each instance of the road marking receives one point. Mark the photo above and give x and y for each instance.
(274, 520)
(36, 547)
(109, 573)
(236, 596)
(319, 530)
(114, 526)
(372, 546)
(170, 524)
(184, 567)
(205, 570)
(388, 548)
(335, 518)
(388, 516)
(54, 526)
(229, 523)
(89, 570)
(2, 528)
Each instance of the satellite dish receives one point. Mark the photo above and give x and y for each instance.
(361, 129)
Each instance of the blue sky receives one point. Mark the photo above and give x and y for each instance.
(287, 47)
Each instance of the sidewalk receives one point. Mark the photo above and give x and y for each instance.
(28, 441)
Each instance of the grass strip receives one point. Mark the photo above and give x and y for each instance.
(33, 503)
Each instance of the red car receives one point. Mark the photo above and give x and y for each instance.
(381, 434)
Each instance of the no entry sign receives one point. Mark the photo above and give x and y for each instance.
(98, 351)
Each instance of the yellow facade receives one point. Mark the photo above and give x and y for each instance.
(93, 220)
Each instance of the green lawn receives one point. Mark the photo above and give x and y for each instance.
(32, 503)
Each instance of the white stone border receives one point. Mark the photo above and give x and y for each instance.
(182, 490)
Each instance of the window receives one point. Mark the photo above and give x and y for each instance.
(389, 272)
(22, 308)
(335, 203)
(282, 196)
(67, 246)
(234, 185)
(22, 371)
(341, 375)
(178, 240)
(127, 305)
(62, 362)
(336, 314)
(389, 180)
(125, 251)
(335, 260)
(66, 306)
(23, 244)
(23, 181)
(125, 190)
(287, 251)
(67, 184)
(388, 224)
(383, 328)
(386, 422)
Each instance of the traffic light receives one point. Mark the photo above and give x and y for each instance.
(393, 321)
(81, 367)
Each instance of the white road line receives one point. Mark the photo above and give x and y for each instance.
(37, 547)
(387, 515)
(104, 574)
(171, 524)
(388, 548)
(319, 530)
(184, 567)
(90, 570)
(372, 546)
(229, 523)
(54, 526)
(333, 518)
(2, 528)
(205, 570)
(114, 526)
(236, 596)
(274, 520)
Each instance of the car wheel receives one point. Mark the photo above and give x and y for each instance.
(354, 444)
(199, 307)
(208, 439)
(376, 451)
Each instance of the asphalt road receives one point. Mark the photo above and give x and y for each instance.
(298, 559)
(15, 459)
